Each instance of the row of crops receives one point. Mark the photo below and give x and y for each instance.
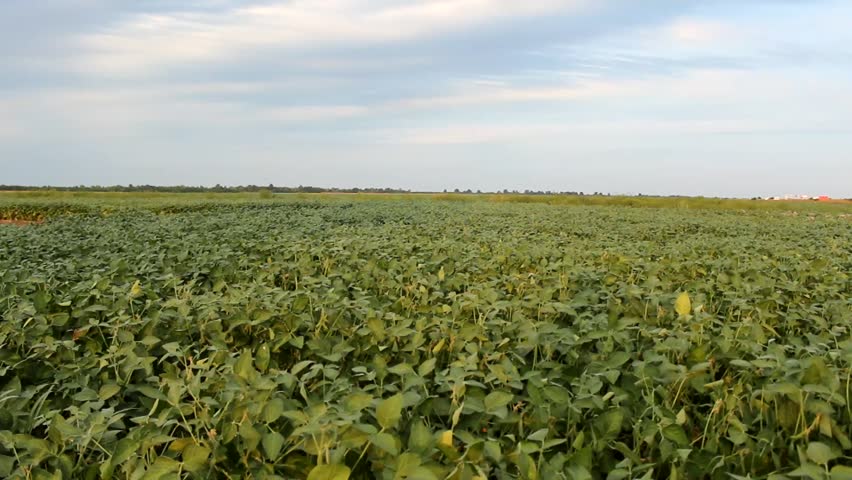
(327, 340)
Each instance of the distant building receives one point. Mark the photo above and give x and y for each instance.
(822, 198)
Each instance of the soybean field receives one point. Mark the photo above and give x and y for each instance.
(334, 338)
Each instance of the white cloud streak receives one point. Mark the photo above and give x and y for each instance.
(145, 42)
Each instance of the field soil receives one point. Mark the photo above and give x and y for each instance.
(19, 223)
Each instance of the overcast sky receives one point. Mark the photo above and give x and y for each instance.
(717, 97)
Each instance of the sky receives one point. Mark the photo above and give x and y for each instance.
(732, 98)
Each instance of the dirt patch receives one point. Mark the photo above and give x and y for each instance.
(19, 223)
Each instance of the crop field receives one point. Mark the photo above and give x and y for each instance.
(333, 338)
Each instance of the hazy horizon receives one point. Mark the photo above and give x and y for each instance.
(719, 98)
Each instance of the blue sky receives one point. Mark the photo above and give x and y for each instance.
(719, 97)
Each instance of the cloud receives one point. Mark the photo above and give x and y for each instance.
(696, 85)
(635, 130)
(149, 41)
(695, 31)
(269, 83)
(97, 113)
(707, 100)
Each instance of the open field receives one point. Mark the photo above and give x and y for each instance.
(154, 200)
(424, 337)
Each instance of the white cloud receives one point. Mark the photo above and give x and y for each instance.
(473, 133)
(145, 42)
(710, 100)
(697, 31)
(104, 112)
(696, 84)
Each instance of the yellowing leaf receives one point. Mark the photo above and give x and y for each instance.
(446, 438)
(389, 411)
(457, 415)
(329, 472)
(683, 305)
(136, 289)
(195, 457)
(181, 443)
(441, 274)
(681, 417)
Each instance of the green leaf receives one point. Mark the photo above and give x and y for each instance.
(578, 472)
(262, 359)
(389, 411)
(538, 435)
(329, 472)
(151, 392)
(124, 449)
(251, 437)
(300, 366)
(62, 426)
(358, 401)
(406, 463)
(527, 467)
(272, 444)
(243, 367)
(841, 472)
(7, 463)
(617, 359)
(386, 442)
(492, 450)
(273, 410)
(558, 395)
(107, 391)
(426, 367)
(553, 443)
(609, 423)
(195, 457)
(402, 369)
(161, 467)
(497, 399)
(809, 471)
(421, 473)
(683, 305)
(617, 474)
(676, 434)
(420, 437)
(820, 453)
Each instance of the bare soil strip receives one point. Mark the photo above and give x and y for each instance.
(19, 223)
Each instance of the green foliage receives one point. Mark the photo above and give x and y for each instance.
(325, 338)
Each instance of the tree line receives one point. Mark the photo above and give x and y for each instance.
(264, 188)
